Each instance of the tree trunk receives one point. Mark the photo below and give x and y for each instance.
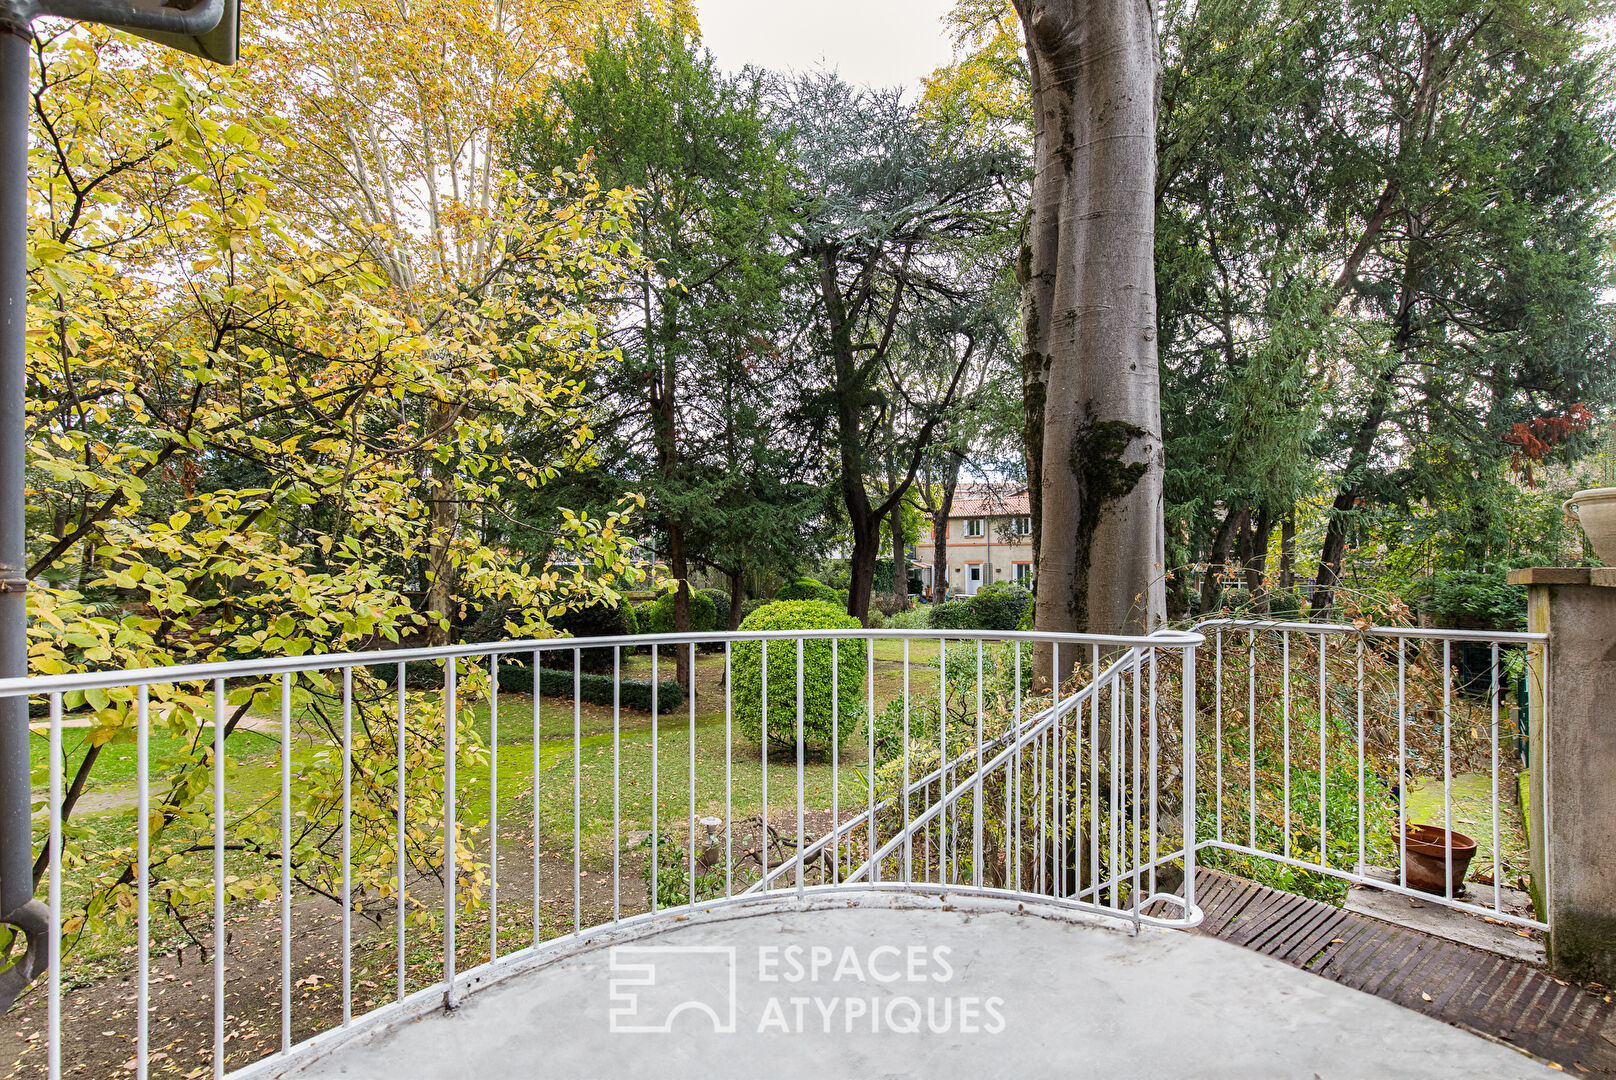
(1089, 308)
(939, 531)
(737, 598)
(1256, 562)
(1212, 581)
(900, 562)
(1287, 552)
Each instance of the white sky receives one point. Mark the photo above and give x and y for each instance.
(879, 42)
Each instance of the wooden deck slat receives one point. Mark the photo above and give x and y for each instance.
(1494, 995)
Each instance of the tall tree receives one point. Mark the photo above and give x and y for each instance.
(659, 117)
(1093, 434)
(900, 306)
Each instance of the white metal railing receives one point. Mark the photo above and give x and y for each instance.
(1086, 771)
(1015, 764)
(1296, 705)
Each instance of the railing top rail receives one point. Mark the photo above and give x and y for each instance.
(1502, 637)
(237, 669)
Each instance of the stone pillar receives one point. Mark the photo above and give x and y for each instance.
(1572, 792)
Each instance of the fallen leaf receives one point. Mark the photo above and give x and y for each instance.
(1424, 995)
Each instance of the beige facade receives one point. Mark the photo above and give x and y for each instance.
(989, 540)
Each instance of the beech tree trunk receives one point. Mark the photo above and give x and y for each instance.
(1089, 308)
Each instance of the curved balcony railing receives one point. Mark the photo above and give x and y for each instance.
(438, 818)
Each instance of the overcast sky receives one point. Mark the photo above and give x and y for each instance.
(880, 42)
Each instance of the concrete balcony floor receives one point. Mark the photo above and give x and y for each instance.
(912, 985)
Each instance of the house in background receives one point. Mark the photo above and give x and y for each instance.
(989, 539)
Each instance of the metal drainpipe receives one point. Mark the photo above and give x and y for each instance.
(17, 904)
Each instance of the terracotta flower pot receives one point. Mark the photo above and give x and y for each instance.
(1427, 853)
(1596, 511)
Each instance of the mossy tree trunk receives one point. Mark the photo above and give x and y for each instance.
(1089, 306)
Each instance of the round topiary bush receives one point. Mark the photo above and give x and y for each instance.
(1000, 606)
(817, 712)
(703, 614)
(806, 588)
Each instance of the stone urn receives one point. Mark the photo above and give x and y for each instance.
(1596, 512)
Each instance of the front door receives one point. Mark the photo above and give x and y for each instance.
(973, 578)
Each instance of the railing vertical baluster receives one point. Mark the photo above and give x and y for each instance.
(398, 865)
(691, 853)
(53, 947)
(1447, 768)
(908, 838)
(1363, 822)
(1093, 843)
(1138, 808)
(1251, 740)
(942, 759)
(450, 859)
(835, 762)
(976, 809)
(1188, 735)
(1324, 769)
(1217, 707)
(1015, 830)
(1402, 762)
(1118, 686)
(869, 762)
(538, 742)
(1057, 764)
(577, 791)
(1498, 862)
(729, 778)
(1155, 771)
(286, 861)
(143, 885)
(763, 736)
(1285, 638)
(218, 879)
(800, 751)
(655, 839)
(347, 845)
(617, 779)
(493, 807)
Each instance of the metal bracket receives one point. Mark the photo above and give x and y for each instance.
(13, 585)
(33, 919)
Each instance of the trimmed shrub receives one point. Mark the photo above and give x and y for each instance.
(888, 603)
(806, 588)
(720, 599)
(817, 706)
(953, 615)
(703, 614)
(597, 620)
(517, 678)
(915, 618)
(1000, 606)
(749, 606)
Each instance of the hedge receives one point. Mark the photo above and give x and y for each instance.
(720, 599)
(817, 711)
(516, 677)
(952, 615)
(597, 620)
(806, 588)
(703, 614)
(1000, 606)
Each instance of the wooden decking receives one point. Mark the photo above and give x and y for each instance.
(1491, 995)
